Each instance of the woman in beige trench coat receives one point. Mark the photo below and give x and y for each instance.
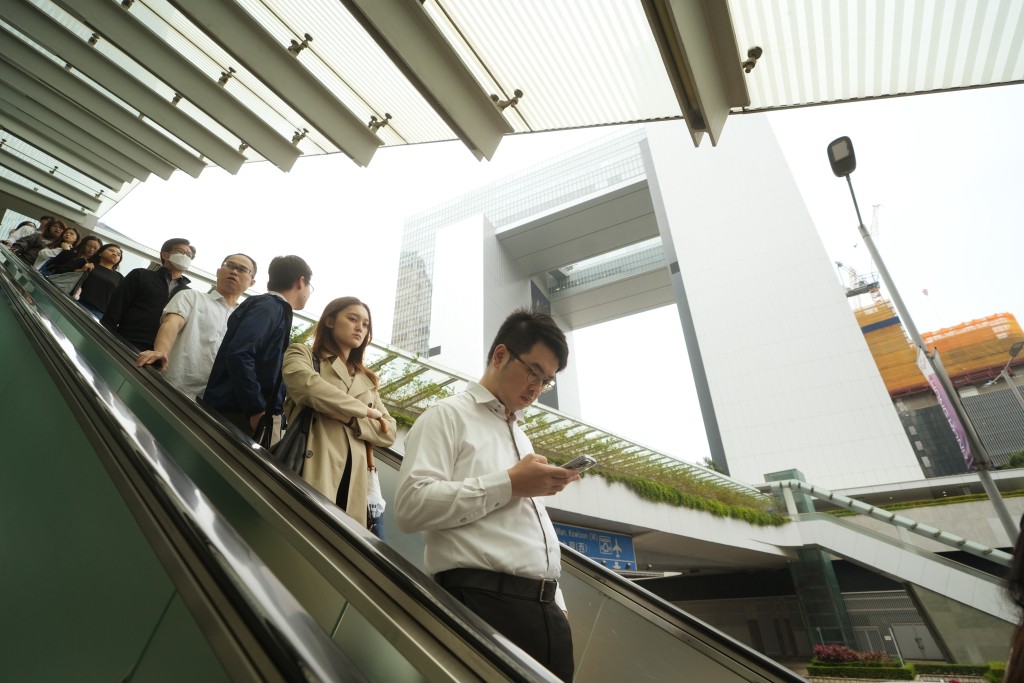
(349, 413)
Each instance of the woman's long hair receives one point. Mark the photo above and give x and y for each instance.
(323, 336)
(85, 242)
(60, 240)
(95, 260)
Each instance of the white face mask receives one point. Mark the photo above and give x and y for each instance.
(180, 261)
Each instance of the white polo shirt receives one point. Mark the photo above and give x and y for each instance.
(206, 321)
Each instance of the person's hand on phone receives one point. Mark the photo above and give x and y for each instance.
(533, 476)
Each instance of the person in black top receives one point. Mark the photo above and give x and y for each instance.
(133, 313)
(102, 281)
(70, 260)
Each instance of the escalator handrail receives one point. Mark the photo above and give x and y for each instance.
(295, 643)
(393, 566)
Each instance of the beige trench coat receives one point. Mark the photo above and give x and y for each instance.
(335, 392)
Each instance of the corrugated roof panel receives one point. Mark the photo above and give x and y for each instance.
(838, 50)
(355, 69)
(193, 44)
(578, 64)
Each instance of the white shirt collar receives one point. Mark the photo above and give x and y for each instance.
(481, 395)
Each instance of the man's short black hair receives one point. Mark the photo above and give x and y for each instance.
(175, 241)
(251, 260)
(285, 270)
(525, 327)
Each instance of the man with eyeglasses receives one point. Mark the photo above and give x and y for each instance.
(244, 382)
(136, 306)
(471, 482)
(194, 324)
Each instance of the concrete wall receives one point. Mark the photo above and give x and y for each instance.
(790, 374)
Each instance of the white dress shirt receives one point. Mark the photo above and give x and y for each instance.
(206, 321)
(454, 486)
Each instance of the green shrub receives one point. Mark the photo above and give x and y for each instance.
(944, 668)
(996, 672)
(878, 673)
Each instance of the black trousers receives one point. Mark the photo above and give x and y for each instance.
(539, 629)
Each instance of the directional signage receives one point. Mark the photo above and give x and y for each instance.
(614, 551)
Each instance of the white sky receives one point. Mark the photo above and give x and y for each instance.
(944, 168)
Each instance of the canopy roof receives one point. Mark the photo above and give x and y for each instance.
(96, 95)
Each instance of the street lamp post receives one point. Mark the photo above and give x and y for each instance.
(1005, 374)
(843, 161)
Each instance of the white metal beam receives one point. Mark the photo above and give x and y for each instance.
(36, 65)
(118, 26)
(698, 46)
(234, 29)
(47, 180)
(35, 98)
(20, 105)
(409, 37)
(15, 193)
(59, 146)
(41, 28)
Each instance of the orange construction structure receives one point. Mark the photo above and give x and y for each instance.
(971, 352)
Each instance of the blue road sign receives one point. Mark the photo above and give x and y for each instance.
(614, 551)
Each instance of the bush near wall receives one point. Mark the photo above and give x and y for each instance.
(946, 669)
(875, 673)
(996, 672)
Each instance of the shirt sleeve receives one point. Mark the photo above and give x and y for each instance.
(182, 303)
(428, 496)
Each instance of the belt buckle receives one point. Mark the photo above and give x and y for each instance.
(544, 584)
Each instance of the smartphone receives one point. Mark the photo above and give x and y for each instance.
(580, 463)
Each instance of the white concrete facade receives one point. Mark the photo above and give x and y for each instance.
(790, 376)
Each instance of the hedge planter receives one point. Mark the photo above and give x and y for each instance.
(847, 674)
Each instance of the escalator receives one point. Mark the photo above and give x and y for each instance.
(91, 586)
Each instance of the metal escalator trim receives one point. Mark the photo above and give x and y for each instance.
(328, 536)
(222, 581)
(715, 644)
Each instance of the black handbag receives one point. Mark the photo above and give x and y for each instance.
(292, 450)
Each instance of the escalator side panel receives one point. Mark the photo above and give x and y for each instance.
(81, 590)
(614, 643)
(178, 651)
(368, 649)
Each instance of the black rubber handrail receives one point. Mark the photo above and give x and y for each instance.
(346, 534)
(287, 636)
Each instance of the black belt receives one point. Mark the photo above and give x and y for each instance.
(541, 590)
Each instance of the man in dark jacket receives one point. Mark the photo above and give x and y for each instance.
(248, 364)
(133, 313)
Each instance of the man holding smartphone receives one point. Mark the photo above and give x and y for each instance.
(470, 482)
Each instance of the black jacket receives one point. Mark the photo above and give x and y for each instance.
(133, 313)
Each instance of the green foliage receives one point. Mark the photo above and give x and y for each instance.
(675, 496)
(880, 673)
(302, 334)
(947, 669)
(1016, 460)
(996, 672)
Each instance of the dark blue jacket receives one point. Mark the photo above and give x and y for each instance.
(249, 360)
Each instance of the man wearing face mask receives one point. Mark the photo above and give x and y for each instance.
(133, 313)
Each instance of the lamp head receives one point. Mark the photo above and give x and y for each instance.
(1015, 349)
(841, 157)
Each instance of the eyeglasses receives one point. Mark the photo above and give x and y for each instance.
(237, 267)
(310, 285)
(535, 378)
(184, 251)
